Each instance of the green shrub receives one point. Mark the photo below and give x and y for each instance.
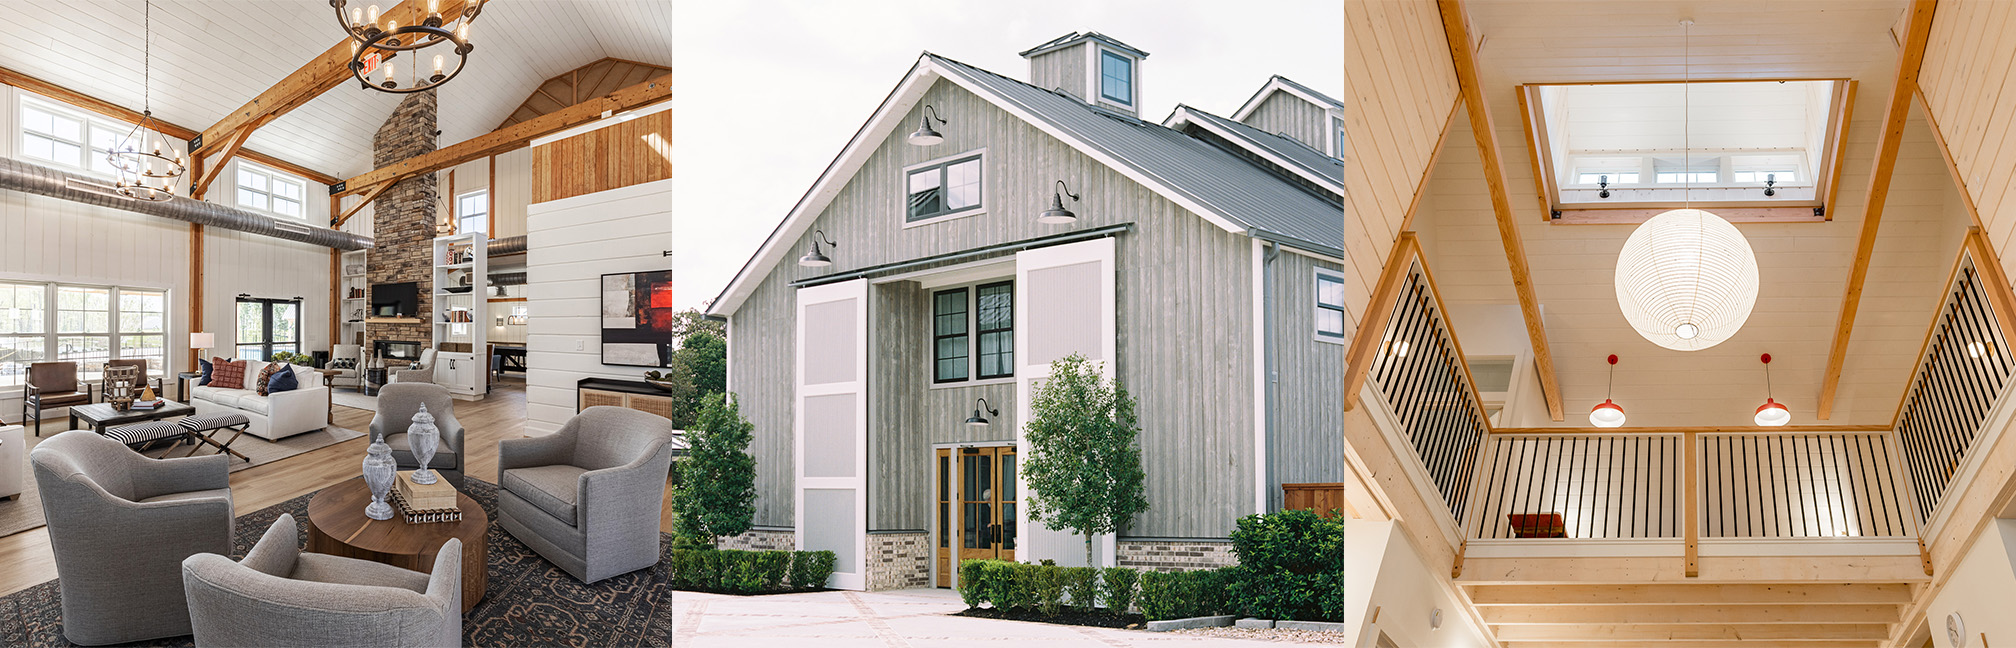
(998, 577)
(774, 567)
(1049, 589)
(707, 568)
(1022, 586)
(676, 566)
(1083, 584)
(1181, 595)
(1291, 566)
(973, 582)
(810, 569)
(1119, 588)
(742, 573)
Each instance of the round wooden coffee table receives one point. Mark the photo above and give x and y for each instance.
(337, 526)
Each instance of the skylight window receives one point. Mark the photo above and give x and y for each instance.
(1639, 147)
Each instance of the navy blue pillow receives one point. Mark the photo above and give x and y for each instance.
(205, 380)
(281, 381)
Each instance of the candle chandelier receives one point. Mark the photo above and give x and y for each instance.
(376, 39)
(145, 171)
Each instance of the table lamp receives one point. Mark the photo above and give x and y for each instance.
(202, 341)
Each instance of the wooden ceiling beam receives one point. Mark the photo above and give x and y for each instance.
(1700, 429)
(370, 195)
(1691, 614)
(122, 113)
(1456, 29)
(200, 186)
(319, 75)
(1691, 594)
(513, 136)
(1825, 643)
(1784, 632)
(1895, 114)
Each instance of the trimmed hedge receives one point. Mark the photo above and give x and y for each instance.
(750, 572)
(1181, 595)
(1045, 588)
(1292, 566)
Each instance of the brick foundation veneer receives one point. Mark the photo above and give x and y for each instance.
(1175, 555)
(898, 561)
(759, 541)
(403, 220)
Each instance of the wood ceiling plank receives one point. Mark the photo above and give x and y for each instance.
(513, 136)
(1789, 633)
(1827, 643)
(1895, 115)
(1456, 26)
(570, 87)
(1891, 568)
(1691, 614)
(1691, 594)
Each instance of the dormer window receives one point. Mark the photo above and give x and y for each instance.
(1116, 78)
(1622, 152)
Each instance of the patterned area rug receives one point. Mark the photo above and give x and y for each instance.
(25, 512)
(530, 602)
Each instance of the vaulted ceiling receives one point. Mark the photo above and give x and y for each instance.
(1804, 266)
(212, 56)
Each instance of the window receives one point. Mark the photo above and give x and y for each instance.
(1780, 175)
(943, 188)
(1599, 177)
(67, 137)
(973, 332)
(1329, 306)
(268, 325)
(270, 191)
(473, 209)
(88, 325)
(1116, 78)
(1337, 125)
(1686, 177)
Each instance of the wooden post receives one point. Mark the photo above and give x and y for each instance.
(1693, 511)
(195, 263)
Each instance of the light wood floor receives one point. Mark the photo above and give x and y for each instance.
(25, 559)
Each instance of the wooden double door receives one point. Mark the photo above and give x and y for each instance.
(976, 507)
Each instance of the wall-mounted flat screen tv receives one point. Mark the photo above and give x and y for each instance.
(395, 300)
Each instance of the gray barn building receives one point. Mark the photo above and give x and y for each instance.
(1202, 265)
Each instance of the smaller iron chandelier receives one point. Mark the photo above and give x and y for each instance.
(373, 40)
(145, 172)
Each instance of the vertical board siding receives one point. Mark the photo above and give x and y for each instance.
(1292, 116)
(1061, 69)
(611, 157)
(1184, 317)
(1966, 83)
(1399, 89)
(1308, 414)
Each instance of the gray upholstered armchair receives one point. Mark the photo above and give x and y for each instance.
(282, 596)
(589, 496)
(421, 371)
(120, 525)
(397, 403)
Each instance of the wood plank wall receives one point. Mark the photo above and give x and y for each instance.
(629, 153)
(1399, 89)
(1287, 114)
(1966, 83)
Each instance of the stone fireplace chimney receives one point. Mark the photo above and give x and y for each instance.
(404, 216)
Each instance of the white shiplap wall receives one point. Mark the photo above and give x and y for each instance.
(508, 199)
(573, 242)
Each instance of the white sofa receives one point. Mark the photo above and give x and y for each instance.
(13, 461)
(276, 416)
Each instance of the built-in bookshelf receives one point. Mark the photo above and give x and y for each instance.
(461, 341)
(353, 305)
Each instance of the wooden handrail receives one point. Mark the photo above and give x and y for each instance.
(1364, 343)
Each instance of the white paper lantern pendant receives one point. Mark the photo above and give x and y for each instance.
(1686, 280)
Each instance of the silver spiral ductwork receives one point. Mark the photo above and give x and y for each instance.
(507, 246)
(507, 278)
(36, 179)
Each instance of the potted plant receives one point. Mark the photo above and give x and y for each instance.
(289, 357)
(661, 380)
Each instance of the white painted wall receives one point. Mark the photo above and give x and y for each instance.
(1381, 571)
(572, 243)
(1980, 591)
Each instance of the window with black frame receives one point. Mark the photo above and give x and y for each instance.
(268, 326)
(973, 332)
(1329, 306)
(996, 328)
(948, 335)
(943, 189)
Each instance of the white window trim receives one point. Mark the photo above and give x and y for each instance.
(272, 175)
(51, 313)
(1093, 78)
(986, 190)
(1334, 121)
(460, 216)
(19, 130)
(1316, 306)
(972, 334)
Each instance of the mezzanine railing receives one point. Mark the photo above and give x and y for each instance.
(1961, 374)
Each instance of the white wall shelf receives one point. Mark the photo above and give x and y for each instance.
(458, 317)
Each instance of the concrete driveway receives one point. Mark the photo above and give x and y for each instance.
(915, 618)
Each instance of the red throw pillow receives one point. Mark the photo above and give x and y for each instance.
(267, 375)
(227, 374)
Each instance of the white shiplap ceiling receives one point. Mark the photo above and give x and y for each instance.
(212, 56)
(1804, 266)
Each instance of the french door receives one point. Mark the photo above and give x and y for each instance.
(266, 326)
(976, 507)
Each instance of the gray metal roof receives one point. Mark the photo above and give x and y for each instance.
(1219, 180)
(1287, 148)
(1072, 38)
(1312, 92)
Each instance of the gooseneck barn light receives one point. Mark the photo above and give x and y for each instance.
(977, 419)
(816, 258)
(924, 135)
(1772, 413)
(1686, 279)
(1057, 214)
(1608, 414)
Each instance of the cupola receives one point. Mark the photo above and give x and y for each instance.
(1092, 67)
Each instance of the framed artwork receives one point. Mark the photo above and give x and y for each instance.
(637, 319)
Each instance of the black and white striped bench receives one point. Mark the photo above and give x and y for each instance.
(204, 428)
(138, 434)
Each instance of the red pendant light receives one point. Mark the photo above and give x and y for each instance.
(1608, 414)
(1772, 413)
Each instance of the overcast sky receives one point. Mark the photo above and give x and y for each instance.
(766, 93)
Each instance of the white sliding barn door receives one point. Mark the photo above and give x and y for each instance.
(831, 427)
(1064, 304)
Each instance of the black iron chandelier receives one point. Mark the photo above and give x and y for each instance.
(145, 171)
(376, 40)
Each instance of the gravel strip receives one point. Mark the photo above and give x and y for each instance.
(1283, 636)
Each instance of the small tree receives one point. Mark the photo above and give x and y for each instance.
(1083, 469)
(717, 485)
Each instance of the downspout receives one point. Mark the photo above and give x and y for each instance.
(1273, 373)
